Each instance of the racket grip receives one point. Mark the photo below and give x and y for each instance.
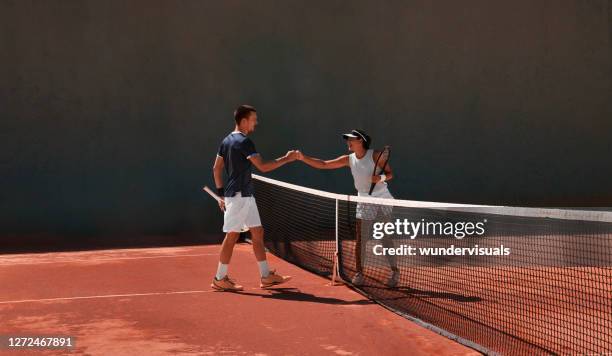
(211, 193)
(372, 187)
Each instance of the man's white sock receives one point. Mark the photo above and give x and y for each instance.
(263, 268)
(221, 271)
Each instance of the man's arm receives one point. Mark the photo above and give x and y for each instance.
(342, 161)
(218, 176)
(267, 166)
(388, 171)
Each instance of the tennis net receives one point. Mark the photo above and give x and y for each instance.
(502, 280)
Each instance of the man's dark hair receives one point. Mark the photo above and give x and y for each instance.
(243, 112)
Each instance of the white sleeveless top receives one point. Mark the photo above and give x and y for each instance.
(362, 170)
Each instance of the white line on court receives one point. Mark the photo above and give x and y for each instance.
(106, 296)
(9, 263)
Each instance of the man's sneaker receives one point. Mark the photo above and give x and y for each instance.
(357, 279)
(393, 279)
(273, 279)
(226, 284)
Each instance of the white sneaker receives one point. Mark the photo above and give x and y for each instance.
(357, 279)
(393, 279)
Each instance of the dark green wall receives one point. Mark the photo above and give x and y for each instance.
(112, 110)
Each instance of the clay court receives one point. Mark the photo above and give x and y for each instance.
(157, 301)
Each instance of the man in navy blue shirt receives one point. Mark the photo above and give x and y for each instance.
(237, 155)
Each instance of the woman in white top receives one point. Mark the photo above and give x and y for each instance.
(361, 161)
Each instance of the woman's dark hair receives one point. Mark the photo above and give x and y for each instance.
(366, 144)
(365, 138)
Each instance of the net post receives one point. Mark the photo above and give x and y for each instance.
(335, 269)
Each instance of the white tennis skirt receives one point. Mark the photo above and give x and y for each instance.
(240, 213)
(367, 211)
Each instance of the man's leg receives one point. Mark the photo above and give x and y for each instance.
(268, 278)
(221, 281)
(227, 248)
(257, 235)
(231, 220)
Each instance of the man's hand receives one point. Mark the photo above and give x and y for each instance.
(264, 166)
(291, 155)
(299, 155)
(288, 155)
(375, 179)
(222, 204)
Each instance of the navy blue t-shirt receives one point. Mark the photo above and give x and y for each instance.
(236, 149)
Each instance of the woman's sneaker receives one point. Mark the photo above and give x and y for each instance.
(357, 279)
(393, 279)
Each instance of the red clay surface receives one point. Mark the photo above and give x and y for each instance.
(158, 301)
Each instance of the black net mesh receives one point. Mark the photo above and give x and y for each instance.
(551, 292)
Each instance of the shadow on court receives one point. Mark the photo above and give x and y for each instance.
(408, 292)
(294, 294)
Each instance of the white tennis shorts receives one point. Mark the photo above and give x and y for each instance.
(240, 213)
(367, 211)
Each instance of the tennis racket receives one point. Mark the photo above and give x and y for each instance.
(212, 194)
(217, 198)
(382, 158)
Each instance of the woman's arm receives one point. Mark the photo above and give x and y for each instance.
(388, 171)
(342, 161)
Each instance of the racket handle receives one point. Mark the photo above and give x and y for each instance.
(372, 187)
(212, 194)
